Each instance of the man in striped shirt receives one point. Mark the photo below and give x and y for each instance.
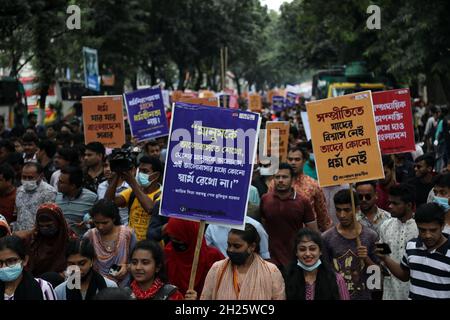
(426, 262)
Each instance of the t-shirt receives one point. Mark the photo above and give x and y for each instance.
(139, 218)
(283, 218)
(342, 253)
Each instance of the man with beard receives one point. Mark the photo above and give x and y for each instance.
(396, 232)
(284, 211)
(370, 215)
(93, 165)
(426, 262)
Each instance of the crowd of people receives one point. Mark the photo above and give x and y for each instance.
(64, 210)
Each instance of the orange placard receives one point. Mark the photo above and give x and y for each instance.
(206, 94)
(283, 138)
(270, 95)
(255, 103)
(176, 95)
(210, 102)
(344, 138)
(103, 120)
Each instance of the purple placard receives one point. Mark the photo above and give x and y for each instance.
(146, 114)
(278, 103)
(290, 99)
(209, 164)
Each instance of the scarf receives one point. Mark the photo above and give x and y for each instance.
(179, 264)
(97, 283)
(48, 254)
(255, 285)
(28, 288)
(149, 293)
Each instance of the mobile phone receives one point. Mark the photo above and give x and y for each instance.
(384, 247)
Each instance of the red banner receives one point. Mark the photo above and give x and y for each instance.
(393, 117)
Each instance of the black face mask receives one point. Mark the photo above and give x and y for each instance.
(49, 232)
(179, 246)
(238, 258)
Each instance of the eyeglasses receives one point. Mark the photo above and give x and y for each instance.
(368, 197)
(11, 262)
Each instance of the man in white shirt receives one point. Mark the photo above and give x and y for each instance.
(396, 232)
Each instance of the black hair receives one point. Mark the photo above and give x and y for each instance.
(156, 163)
(326, 287)
(106, 208)
(430, 212)
(370, 182)
(285, 166)
(343, 197)
(406, 192)
(157, 253)
(96, 147)
(8, 145)
(69, 154)
(302, 150)
(151, 143)
(14, 243)
(428, 158)
(30, 137)
(249, 235)
(7, 172)
(15, 159)
(75, 175)
(388, 161)
(113, 294)
(83, 247)
(49, 147)
(442, 180)
(37, 165)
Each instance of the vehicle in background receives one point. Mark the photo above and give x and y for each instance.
(341, 80)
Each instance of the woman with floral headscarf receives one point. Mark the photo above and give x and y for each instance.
(48, 240)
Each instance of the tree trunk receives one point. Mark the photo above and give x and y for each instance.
(42, 100)
(153, 73)
(181, 77)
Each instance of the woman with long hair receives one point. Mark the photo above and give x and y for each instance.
(310, 276)
(112, 241)
(148, 273)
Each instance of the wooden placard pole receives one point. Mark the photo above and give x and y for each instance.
(358, 239)
(201, 231)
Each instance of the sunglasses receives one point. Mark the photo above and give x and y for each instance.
(368, 197)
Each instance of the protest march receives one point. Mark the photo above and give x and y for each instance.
(220, 185)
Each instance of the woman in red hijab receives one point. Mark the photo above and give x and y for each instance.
(180, 254)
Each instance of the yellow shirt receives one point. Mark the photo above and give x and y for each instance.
(139, 219)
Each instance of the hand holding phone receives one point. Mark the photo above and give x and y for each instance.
(383, 248)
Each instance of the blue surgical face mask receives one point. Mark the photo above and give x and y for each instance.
(8, 274)
(311, 157)
(143, 179)
(309, 268)
(442, 201)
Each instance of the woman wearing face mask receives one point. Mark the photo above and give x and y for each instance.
(148, 272)
(81, 256)
(179, 254)
(15, 282)
(309, 276)
(48, 240)
(112, 242)
(244, 275)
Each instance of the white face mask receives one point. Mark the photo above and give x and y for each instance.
(29, 185)
(265, 171)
